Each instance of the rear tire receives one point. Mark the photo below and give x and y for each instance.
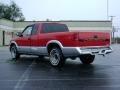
(56, 57)
(14, 52)
(87, 59)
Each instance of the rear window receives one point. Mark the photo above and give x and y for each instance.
(49, 28)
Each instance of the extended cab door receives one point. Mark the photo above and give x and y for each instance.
(24, 41)
(34, 39)
(37, 41)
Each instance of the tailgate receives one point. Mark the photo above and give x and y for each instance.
(94, 38)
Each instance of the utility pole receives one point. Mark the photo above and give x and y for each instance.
(111, 18)
(113, 28)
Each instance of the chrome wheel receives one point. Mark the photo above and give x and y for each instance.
(14, 52)
(56, 57)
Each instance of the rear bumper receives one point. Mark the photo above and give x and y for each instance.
(94, 50)
(76, 51)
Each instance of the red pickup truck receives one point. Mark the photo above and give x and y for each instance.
(57, 42)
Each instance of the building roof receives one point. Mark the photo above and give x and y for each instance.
(70, 23)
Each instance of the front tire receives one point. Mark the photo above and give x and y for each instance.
(56, 57)
(14, 52)
(87, 59)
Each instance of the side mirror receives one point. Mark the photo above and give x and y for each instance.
(19, 34)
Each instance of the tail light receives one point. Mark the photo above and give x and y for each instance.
(76, 36)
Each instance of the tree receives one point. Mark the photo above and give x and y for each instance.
(11, 12)
(2, 7)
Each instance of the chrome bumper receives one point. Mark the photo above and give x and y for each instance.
(76, 51)
(95, 50)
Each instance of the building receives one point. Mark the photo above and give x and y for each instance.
(9, 28)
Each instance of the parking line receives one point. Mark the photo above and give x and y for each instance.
(62, 79)
(25, 76)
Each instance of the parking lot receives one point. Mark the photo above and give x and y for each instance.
(32, 73)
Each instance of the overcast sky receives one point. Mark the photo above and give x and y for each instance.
(68, 9)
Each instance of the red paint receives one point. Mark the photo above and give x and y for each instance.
(67, 39)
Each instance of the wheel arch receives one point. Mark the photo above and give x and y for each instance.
(12, 44)
(53, 43)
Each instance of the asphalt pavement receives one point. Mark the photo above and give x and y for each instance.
(32, 73)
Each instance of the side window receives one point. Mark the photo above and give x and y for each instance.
(49, 28)
(46, 28)
(27, 31)
(35, 29)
